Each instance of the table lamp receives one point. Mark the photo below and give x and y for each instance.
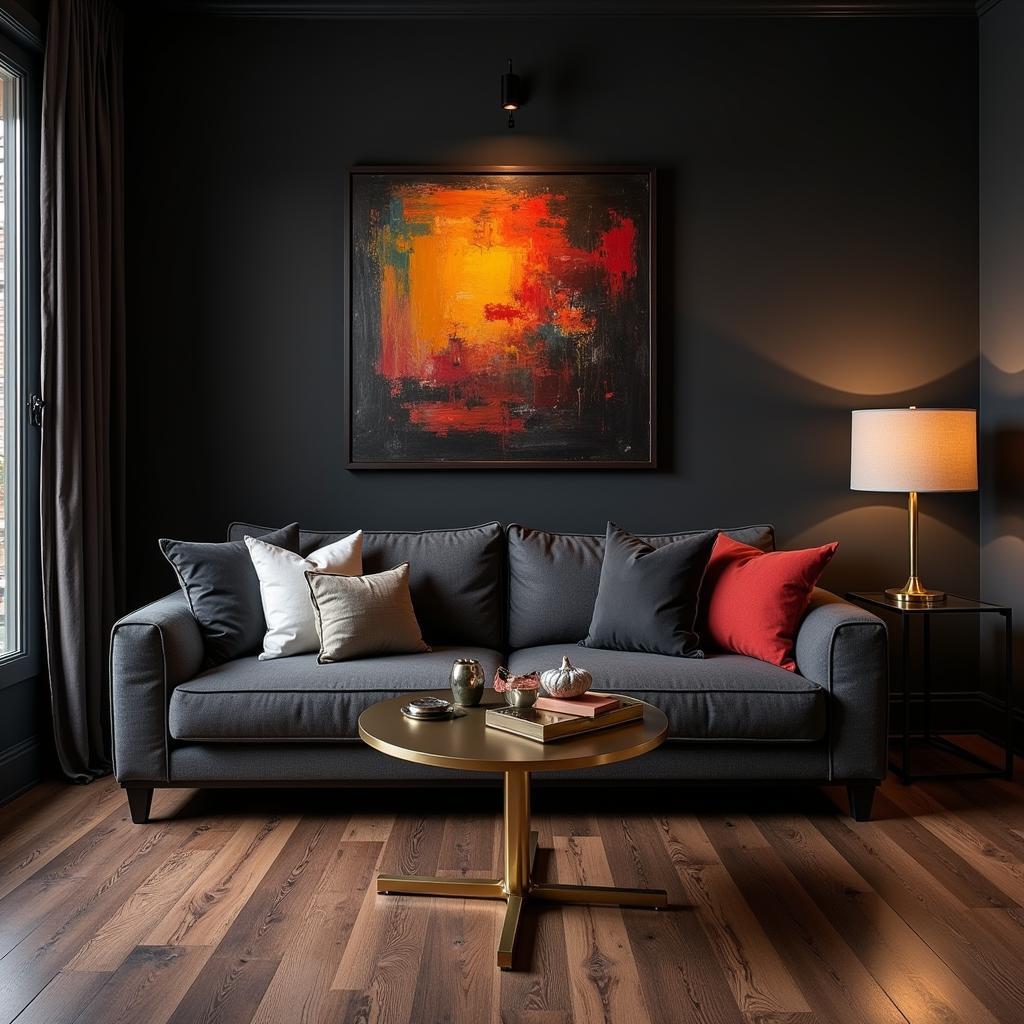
(914, 450)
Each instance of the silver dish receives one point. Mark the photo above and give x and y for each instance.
(427, 708)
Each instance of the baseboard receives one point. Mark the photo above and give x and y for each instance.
(21, 767)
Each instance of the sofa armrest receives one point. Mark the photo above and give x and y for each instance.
(844, 649)
(152, 650)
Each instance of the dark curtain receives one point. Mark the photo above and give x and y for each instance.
(83, 375)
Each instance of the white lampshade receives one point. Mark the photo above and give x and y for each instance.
(914, 450)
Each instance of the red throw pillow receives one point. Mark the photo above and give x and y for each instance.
(756, 598)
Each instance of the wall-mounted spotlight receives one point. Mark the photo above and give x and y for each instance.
(511, 94)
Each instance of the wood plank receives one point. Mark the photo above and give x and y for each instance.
(147, 987)
(203, 913)
(964, 882)
(227, 989)
(990, 860)
(300, 992)
(681, 975)
(992, 812)
(273, 916)
(63, 998)
(50, 809)
(386, 945)
(364, 827)
(782, 918)
(538, 991)
(605, 983)
(955, 934)
(33, 962)
(41, 841)
(94, 854)
(687, 843)
(467, 848)
(457, 979)
(116, 938)
(834, 982)
(30, 806)
(921, 985)
(761, 985)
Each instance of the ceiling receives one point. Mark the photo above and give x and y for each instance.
(591, 8)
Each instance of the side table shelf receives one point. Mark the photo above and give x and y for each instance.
(878, 601)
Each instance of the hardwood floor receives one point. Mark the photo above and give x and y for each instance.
(238, 906)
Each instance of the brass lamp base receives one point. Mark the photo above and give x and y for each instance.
(912, 593)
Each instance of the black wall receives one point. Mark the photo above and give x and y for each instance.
(1002, 315)
(818, 220)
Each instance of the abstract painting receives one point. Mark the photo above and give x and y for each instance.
(501, 318)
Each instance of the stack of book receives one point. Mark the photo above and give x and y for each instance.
(554, 718)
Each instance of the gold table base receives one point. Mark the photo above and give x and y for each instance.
(517, 887)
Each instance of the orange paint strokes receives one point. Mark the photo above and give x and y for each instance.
(477, 286)
(398, 351)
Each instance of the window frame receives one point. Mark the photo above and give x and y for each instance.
(21, 368)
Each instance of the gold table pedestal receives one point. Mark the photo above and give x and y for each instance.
(518, 886)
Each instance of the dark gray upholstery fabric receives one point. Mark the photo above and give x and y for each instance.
(845, 649)
(721, 697)
(352, 761)
(81, 297)
(223, 591)
(553, 579)
(647, 596)
(455, 576)
(152, 650)
(296, 699)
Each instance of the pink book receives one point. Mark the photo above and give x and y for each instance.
(590, 705)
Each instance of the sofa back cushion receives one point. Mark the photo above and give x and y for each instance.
(553, 579)
(456, 576)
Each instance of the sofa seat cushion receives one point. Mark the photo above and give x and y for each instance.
(720, 697)
(295, 699)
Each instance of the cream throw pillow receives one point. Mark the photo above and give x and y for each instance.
(291, 625)
(360, 616)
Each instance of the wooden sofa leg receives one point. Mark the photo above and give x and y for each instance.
(861, 796)
(140, 799)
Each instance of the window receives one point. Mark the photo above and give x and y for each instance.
(11, 329)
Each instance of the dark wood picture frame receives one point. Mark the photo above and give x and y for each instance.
(647, 259)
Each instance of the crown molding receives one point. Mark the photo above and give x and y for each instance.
(21, 26)
(574, 8)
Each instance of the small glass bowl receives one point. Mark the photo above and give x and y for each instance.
(522, 696)
(519, 691)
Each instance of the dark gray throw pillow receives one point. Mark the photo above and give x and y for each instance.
(648, 596)
(223, 591)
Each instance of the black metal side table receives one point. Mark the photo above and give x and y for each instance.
(953, 605)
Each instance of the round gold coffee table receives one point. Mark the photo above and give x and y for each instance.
(465, 742)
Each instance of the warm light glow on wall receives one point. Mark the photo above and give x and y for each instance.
(857, 351)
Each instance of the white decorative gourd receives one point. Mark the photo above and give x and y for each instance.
(566, 681)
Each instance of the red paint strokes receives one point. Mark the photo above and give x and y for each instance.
(499, 311)
(441, 417)
(617, 252)
(609, 395)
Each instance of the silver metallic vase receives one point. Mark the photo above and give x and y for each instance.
(467, 682)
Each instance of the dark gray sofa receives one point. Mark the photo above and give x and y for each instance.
(517, 596)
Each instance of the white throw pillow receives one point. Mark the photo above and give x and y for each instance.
(291, 620)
